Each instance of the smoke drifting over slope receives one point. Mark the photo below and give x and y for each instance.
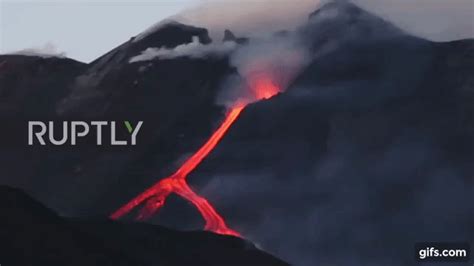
(437, 20)
(275, 59)
(195, 49)
(384, 160)
(47, 50)
(420, 17)
(252, 18)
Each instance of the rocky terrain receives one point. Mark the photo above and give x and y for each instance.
(32, 234)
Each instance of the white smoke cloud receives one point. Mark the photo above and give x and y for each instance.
(195, 49)
(45, 51)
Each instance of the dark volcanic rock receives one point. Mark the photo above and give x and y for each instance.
(341, 22)
(230, 37)
(361, 146)
(34, 235)
(99, 83)
(33, 84)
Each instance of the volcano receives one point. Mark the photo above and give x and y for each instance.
(370, 137)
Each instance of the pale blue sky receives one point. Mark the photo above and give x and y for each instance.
(84, 30)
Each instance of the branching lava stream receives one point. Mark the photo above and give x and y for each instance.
(155, 196)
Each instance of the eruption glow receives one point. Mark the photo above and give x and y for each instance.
(155, 196)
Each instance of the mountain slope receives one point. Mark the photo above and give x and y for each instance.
(34, 235)
(33, 84)
(372, 139)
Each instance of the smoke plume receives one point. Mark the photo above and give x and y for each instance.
(276, 60)
(195, 49)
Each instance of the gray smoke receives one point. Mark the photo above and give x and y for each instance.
(249, 17)
(382, 179)
(274, 59)
(437, 20)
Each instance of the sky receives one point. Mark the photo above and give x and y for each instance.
(84, 30)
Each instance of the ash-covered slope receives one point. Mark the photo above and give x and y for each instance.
(369, 151)
(342, 21)
(34, 235)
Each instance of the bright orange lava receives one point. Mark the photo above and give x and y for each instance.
(264, 88)
(156, 195)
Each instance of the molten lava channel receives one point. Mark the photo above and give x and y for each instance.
(155, 196)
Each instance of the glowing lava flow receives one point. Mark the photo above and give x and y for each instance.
(156, 195)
